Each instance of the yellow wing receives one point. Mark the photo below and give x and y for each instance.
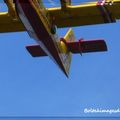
(64, 16)
(9, 21)
(84, 14)
(9, 24)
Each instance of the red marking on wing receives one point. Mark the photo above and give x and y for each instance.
(36, 51)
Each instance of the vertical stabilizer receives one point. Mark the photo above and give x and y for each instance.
(67, 55)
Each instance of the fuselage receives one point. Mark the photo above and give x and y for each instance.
(38, 25)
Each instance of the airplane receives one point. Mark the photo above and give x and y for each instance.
(41, 24)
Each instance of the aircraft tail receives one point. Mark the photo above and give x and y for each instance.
(69, 46)
(66, 54)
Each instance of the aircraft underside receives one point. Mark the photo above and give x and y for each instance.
(48, 44)
(37, 30)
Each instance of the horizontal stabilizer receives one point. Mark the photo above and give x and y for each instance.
(36, 51)
(82, 46)
(74, 47)
(93, 46)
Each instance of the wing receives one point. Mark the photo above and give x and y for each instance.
(9, 21)
(85, 14)
(9, 24)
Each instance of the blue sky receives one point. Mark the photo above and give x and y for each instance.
(36, 87)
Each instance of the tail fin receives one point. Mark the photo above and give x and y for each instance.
(66, 54)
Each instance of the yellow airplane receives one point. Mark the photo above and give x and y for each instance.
(41, 24)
